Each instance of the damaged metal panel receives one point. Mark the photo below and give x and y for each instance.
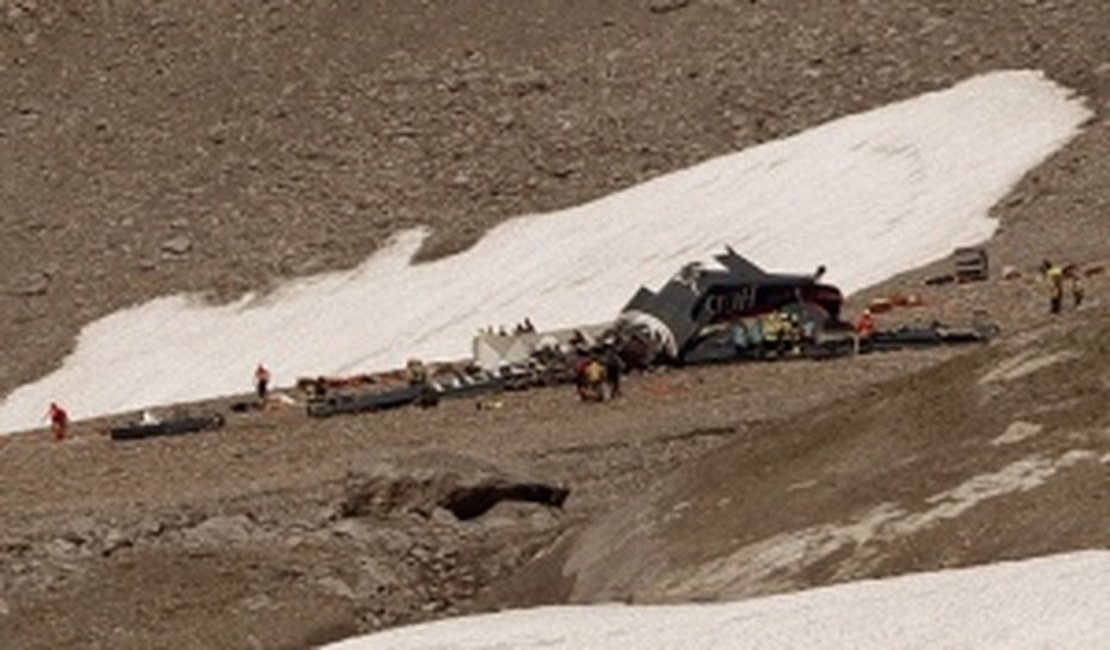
(669, 320)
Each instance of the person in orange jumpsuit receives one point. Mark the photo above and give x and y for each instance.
(865, 329)
(865, 325)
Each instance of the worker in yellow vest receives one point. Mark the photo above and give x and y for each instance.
(1055, 277)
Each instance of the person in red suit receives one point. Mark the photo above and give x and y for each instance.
(262, 382)
(59, 421)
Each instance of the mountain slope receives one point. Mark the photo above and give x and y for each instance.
(997, 454)
(148, 148)
(157, 148)
(910, 182)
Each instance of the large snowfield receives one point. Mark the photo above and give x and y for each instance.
(869, 196)
(1047, 603)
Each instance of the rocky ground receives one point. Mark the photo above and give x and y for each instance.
(345, 522)
(147, 148)
(997, 454)
(150, 148)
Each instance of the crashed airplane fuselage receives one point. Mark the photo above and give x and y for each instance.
(667, 323)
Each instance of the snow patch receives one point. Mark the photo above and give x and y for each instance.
(1054, 602)
(868, 196)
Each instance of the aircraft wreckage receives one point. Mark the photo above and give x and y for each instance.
(708, 314)
(688, 319)
(729, 310)
(691, 319)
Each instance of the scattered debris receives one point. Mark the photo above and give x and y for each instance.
(934, 335)
(940, 280)
(419, 385)
(364, 402)
(171, 427)
(882, 304)
(972, 264)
